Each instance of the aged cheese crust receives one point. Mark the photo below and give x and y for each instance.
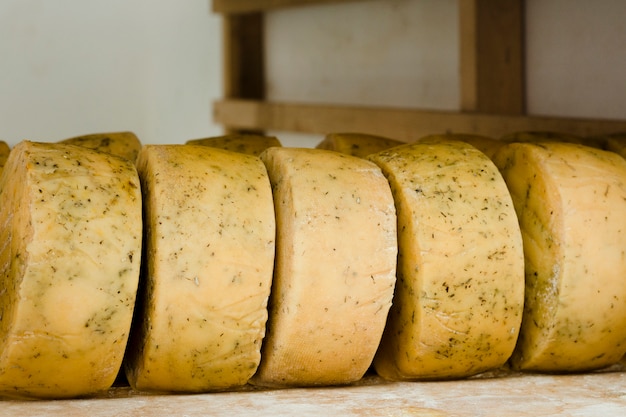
(243, 143)
(335, 267)
(458, 301)
(71, 233)
(123, 144)
(210, 233)
(357, 144)
(571, 201)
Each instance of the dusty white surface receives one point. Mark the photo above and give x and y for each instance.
(602, 394)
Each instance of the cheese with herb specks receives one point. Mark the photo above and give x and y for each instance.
(357, 144)
(71, 244)
(247, 143)
(571, 204)
(459, 296)
(123, 144)
(210, 232)
(335, 267)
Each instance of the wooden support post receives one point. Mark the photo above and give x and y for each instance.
(492, 56)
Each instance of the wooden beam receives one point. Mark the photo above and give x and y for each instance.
(248, 6)
(402, 124)
(492, 56)
(244, 66)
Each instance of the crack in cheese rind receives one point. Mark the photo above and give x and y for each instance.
(210, 233)
(458, 301)
(335, 267)
(71, 233)
(571, 201)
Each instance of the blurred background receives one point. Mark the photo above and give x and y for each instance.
(154, 67)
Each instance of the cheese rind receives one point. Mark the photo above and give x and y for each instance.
(570, 200)
(71, 233)
(243, 143)
(335, 267)
(356, 144)
(458, 300)
(122, 144)
(210, 233)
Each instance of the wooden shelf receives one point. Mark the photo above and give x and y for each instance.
(403, 124)
(492, 96)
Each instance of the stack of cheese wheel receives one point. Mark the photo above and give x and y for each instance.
(460, 291)
(209, 258)
(70, 256)
(277, 266)
(571, 204)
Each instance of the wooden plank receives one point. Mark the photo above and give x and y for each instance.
(403, 124)
(591, 395)
(247, 6)
(492, 56)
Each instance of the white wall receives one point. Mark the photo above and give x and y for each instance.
(70, 67)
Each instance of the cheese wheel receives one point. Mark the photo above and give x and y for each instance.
(356, 144)
(243, 143)
(210, 233)
(335, 267)
(123, 144)
(4, 154)
(487, 145)
(570, 200)
(541, 136)
(459, 297)
(71, 233)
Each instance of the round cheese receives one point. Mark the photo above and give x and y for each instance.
(123, 144)
(458, 301)
(247, 143)
(71, 233)
(571, 204)
(335, 267)
(209, 255)
(357, 144)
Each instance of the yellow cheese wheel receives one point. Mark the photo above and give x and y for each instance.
(485, 144)
(247, 143)
(209, 255)
(4, 154)
(123, 144)
(356, 144)
(71, 233)
(458, 301)
(541, 136)
(571, 204)
(335, 267)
